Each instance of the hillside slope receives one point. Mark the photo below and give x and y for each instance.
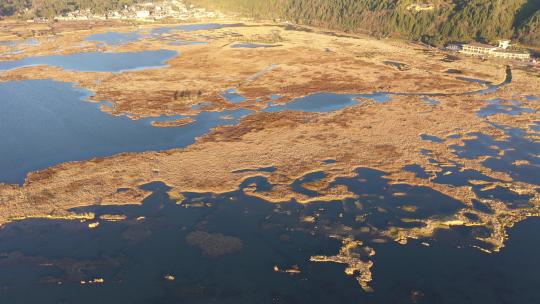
(435, 22)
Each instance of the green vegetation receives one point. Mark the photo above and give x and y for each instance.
(10, 7)
(457, 20)
(529, 33)
(449, 20)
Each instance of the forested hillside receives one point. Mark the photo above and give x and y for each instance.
(457, 20)
(435, 22)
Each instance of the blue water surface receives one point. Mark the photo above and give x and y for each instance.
(45, 122)
(97, 61)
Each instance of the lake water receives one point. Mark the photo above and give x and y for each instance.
(121, 38)
(133, 257)
(97, 61)
(325, 102)
(27, 42)
(115, 38)
(232, 96)
(496, 106)
(44, 122)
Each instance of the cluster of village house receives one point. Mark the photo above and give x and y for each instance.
(503, 50)
(150, 11)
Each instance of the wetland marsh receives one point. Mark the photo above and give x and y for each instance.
(142, 170)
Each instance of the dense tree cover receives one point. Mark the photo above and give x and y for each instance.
(529, 32)
(10, 7)
(451, 20)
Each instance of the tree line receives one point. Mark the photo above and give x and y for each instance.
(450, 20)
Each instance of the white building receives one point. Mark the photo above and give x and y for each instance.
(142, 14)
(504, 44)
(501, 51)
